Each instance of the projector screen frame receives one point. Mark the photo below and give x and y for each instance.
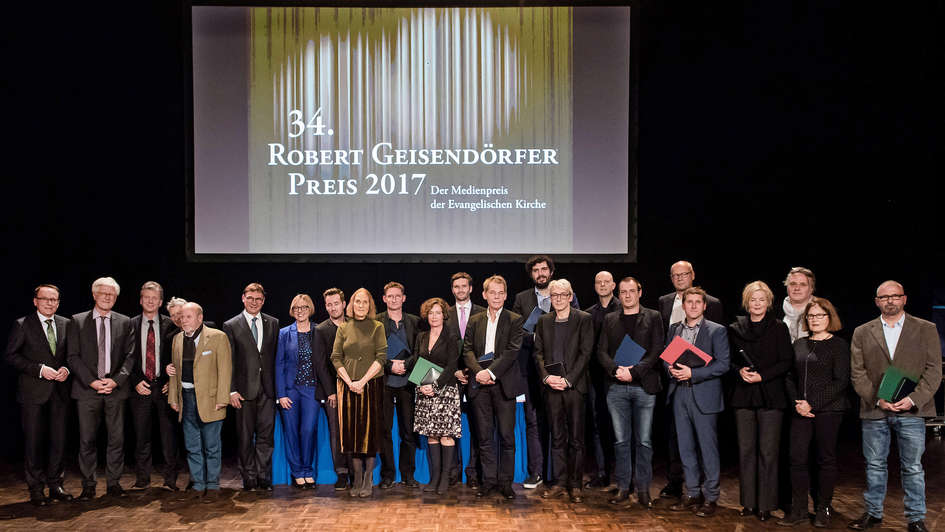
(633, 146)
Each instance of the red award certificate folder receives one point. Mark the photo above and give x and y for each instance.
(678, 347)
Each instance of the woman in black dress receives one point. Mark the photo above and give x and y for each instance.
(818, 389)
(437, 415)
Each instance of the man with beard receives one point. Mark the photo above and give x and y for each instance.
(335, 306)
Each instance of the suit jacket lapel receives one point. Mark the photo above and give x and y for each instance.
(61, 325)
(37, 329)
(247, 332)
(702, 337)
(877, 330)
(909, 333)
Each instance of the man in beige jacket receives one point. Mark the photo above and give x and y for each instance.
(199, 391)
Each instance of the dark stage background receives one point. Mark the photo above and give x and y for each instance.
(772, 134)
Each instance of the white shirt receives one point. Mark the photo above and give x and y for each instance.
(678, 313)
(259, 326)
(157, 343)
(892, 333)
(491, 326)
(108, 336)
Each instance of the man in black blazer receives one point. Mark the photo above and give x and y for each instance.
(682, 275)
(564, 340)
(37, 350)
(457, 319)
(335, 306)
(599, 428)
(99, 346)
(631, 389)
(496, 332)
(253, 338)
(151, 351)
(398, 392)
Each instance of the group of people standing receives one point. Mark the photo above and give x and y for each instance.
(780, 368)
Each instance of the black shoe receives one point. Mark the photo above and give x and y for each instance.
(310, 485)
(671, 491)
(88, 493)
(622, 497)
(552, 492)
(532, 482)
(746, 512)
(386, 484)
(59, 494)
(507, 491)
(264, 485)
(411, 483)
(249, 485)
(917, 526)
(472, 483)
(170, 485)
(687, 504)
(342, 483)
(644, 500)
(190, 485)
(116, 491)
(707, 509)
(864, 522)
(141, 485)
(793, 519)
(597, 483)
(577, 495)
(298, 485)
(485, 491)
(211, 496)
(822, 519)
(764, 516)
(38, 499)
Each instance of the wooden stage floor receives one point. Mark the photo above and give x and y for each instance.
(403, 509)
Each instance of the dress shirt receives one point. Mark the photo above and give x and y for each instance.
(259, 326)
(491, 326)
(690, 334)
(108, 336)
(892, 332)
(544, 302)
(157, 344)
(678, 314)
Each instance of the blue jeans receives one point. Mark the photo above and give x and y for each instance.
(203, 445)
(910, 432)
(631, 410)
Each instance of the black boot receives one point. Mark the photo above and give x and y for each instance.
(449, 454)
(367, 484)
(357, 476)
(436, 464)
(824, 513)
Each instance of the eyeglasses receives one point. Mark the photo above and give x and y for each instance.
(303, 307)
(892, 297)
(816, 316)
(681, 275)
(560, 295)
(254, 299)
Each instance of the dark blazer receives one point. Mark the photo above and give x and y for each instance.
(28, 349)
(83, 354)
(525, 303)
(706, 382)
(648, 334)
(452, 321)
(577, 353)
(768, 344)
(445, 353)
(411, 326)
(918, 353)
(508, 341)
(287, 362)
(713, 309)
(167, 330)
(248, 359)
(326, 335)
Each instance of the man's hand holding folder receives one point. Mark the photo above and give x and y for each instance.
(682, 357)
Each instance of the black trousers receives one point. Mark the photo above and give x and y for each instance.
(143, 407)
(759, 437)
(566, 411)
(256, 419)
(111, 408)
(823, 430)
(493, 410)
(403, 399)
(338, 459)
(473, 467)
(44, 437)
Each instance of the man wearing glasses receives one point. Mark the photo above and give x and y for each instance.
(911, 345)
(671, 310)
(37, 349)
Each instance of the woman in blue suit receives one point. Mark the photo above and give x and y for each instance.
(301, 380)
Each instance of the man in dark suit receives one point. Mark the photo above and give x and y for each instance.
(253, 338)
(695, 394)
(682, 275)
(398, 392)
(151, 335)
(911, 345)
(99, 346)
(540, 268)
(599, 428)
(495, 333)
(564, 340)
(457, 318)
(335, 306)
(631, 389)
(37, 350)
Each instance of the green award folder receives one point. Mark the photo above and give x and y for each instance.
(896, 385)
(420, 370)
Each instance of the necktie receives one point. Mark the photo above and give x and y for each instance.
(462, 322)
(255, 331)
(101, 347)
(51, 336)
(149, 357)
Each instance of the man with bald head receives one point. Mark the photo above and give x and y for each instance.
(600, 432)
(671, 310)
(199, 391)
(910, 344)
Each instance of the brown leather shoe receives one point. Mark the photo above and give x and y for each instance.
(553, 492)
(707, 509)
(687, 504)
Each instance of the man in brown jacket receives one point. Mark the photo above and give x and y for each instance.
(910, 344)
(199, 391)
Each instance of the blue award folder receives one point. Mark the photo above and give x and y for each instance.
(532, 319)
(629, 353)
(485, 361)
(395, 349)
